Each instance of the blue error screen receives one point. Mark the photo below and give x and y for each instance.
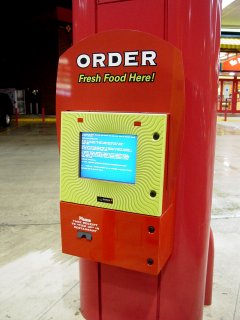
(110, 157)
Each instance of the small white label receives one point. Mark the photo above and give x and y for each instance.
(85, 224)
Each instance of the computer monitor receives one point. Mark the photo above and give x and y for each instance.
(108, 156)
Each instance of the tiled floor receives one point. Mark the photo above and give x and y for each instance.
(226, 223)
(38, 282)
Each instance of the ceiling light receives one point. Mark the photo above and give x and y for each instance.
(237, 30)
(226, 3)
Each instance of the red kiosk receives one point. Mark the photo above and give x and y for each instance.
(141, 263)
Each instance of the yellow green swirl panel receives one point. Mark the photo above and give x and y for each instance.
(145, 195)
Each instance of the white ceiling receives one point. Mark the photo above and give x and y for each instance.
(231, 16)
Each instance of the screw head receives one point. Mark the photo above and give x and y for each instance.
(153, 193)
(151, 229)
(156, 136)
(150, 261)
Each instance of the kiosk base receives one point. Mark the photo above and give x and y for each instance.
(100, 301)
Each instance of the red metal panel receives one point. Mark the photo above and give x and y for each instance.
(84, 19)
(146, 16)
(118, 238)
(107, 1)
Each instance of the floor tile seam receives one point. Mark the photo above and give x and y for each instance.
(236, 304)
(28, 224)
(219, 217)
(56, 302)
(228, 120)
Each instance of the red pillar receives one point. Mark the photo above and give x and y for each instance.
(234, 94)
(194, 27)
(178, 292)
